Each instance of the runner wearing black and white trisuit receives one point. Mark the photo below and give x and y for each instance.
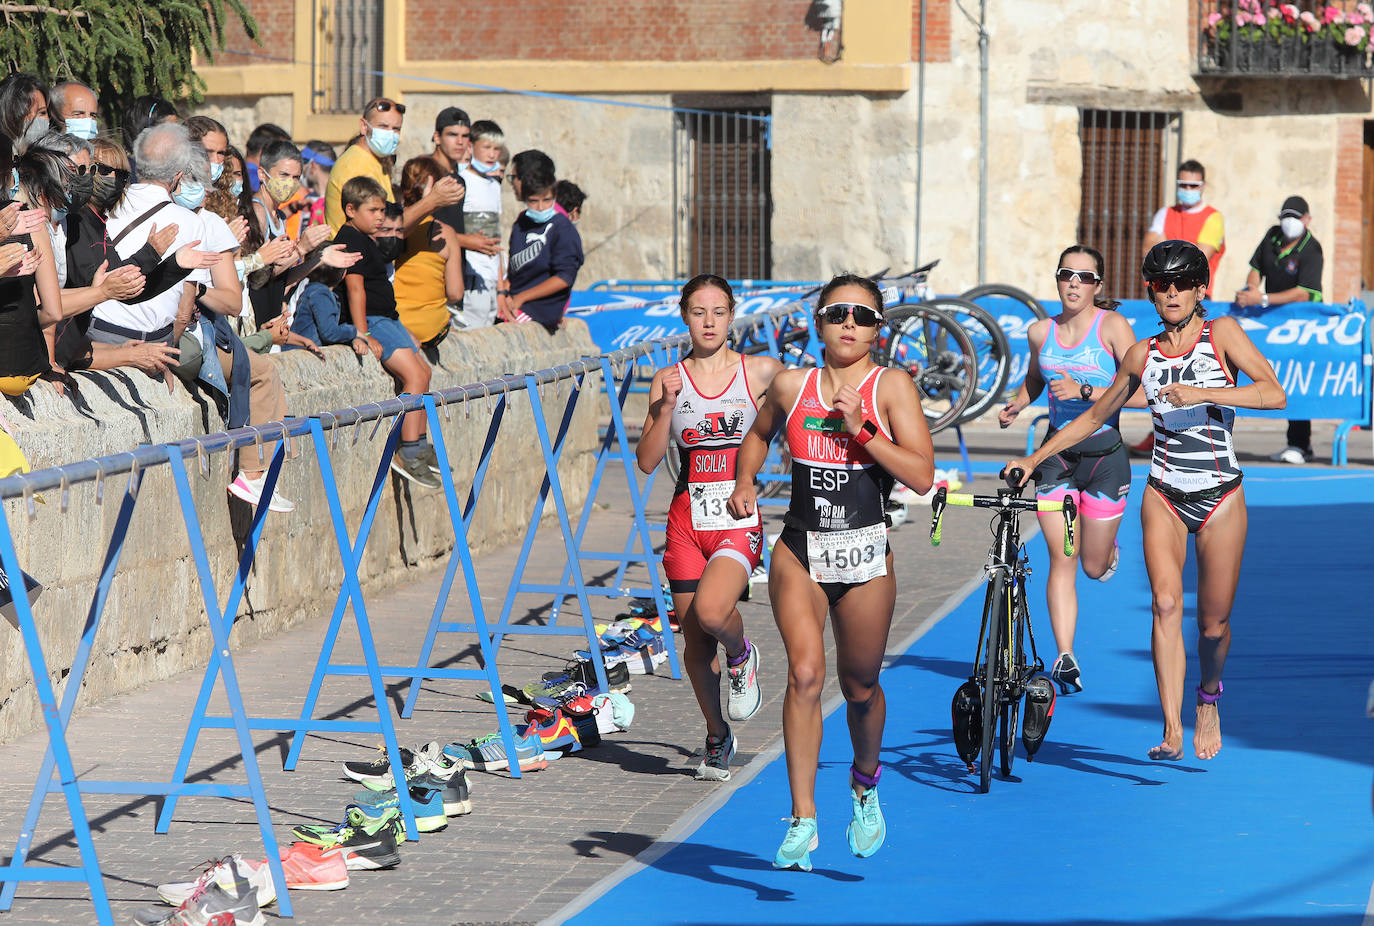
(1189, 372)
(700, 409)
(1194, 466)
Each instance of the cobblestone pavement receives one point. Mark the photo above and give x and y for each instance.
(530, 846)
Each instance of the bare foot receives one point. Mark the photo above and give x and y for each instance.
(1170, 749)
(1207, 732)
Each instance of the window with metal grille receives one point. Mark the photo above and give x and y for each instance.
(346, 54)
(1128, 160)
(721, 183)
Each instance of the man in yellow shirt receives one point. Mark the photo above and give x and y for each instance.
(374, 157)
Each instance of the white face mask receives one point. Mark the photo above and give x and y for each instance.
(1291, 227)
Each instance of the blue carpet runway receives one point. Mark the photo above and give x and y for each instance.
(1276, 829)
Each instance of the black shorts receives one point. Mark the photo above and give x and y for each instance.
(1095, 473)
(795, 540)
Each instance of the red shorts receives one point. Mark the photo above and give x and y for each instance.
(688, 550)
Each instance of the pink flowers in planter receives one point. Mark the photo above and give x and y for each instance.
(1354, 35)
(1309, 21)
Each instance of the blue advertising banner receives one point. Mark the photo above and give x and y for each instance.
(620, 319)
(1319, 352)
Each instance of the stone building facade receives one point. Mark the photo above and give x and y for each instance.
(838, 189)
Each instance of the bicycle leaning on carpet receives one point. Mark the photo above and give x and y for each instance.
(987, 706)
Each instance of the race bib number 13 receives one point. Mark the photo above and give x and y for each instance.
(851, 556)
(708, 508)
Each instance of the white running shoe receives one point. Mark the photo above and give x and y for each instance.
(745, 694)
(250, 491)
(1292, 455)
(1116, 561)
(233, 873)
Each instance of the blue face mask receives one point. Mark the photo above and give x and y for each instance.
(216, 171)
(14, 183)
(190, 194)
(236, 188)
(1189, 197)
(59, 217)
(383, 142)
(485, 170)
(84, 128)
(540, 215)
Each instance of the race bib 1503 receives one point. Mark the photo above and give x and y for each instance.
(851, 556)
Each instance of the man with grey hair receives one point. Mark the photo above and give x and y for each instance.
(74, 108)
(169, 164)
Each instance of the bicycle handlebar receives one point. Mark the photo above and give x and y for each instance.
(1006, 504)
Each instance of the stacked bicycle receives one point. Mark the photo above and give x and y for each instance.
(987, 707)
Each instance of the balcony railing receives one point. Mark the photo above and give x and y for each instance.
(1259, 38)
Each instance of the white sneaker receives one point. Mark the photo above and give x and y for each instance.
(250, 490)
(1292, 455)
(233, 873)
(1116, 561)
(745, 695)
(906, 495)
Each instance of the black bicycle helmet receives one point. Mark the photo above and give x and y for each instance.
(1179, 262)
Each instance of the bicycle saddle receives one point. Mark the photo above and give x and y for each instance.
(966, 711)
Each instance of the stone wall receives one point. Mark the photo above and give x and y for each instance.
(154, 624)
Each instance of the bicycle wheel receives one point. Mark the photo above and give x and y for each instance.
(990, 347)
(992, 678)
(1016, 666)
(1000, 290)
(936, 352)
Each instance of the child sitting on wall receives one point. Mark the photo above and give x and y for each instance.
(371, 305)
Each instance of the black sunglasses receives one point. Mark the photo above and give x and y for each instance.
(1163, 286)
(383, 106)
(1068, 275)
(864, 315)
(104, 170)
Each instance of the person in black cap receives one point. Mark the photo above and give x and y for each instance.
(1289, 262)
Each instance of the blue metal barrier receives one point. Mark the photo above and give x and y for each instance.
(617, 371)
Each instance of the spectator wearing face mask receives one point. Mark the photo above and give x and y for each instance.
(23, 111)
(374, 157)
(30, 299)
(258, 139)
(74, 108)
(93, 262)
(482, 215)
(1288, 264)
(545, 256)
(1191, 219)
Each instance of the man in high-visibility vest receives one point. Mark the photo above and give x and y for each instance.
(1190, 219)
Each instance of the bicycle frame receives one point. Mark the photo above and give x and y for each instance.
(1000, 668)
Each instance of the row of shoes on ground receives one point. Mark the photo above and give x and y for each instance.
(639, 650)
(554, 727)
(579, 673)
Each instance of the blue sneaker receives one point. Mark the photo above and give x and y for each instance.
(867, 829)
(428, 802)
(801, 840)
(488, 754)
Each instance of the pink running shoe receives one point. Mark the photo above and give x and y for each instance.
(308, 868)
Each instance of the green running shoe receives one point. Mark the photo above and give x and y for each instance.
(801, 840)
(867, 829)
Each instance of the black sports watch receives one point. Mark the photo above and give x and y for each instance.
(1086, 391)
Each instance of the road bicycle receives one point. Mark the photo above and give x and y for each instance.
(987, 707)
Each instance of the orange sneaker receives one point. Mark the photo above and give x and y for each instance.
(310, 867)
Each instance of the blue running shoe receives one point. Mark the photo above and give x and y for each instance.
(801, 840)
(488, 754)
(867, 829)
(428, 803)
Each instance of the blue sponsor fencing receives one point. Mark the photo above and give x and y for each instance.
(1320, 352)
(609, 374)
